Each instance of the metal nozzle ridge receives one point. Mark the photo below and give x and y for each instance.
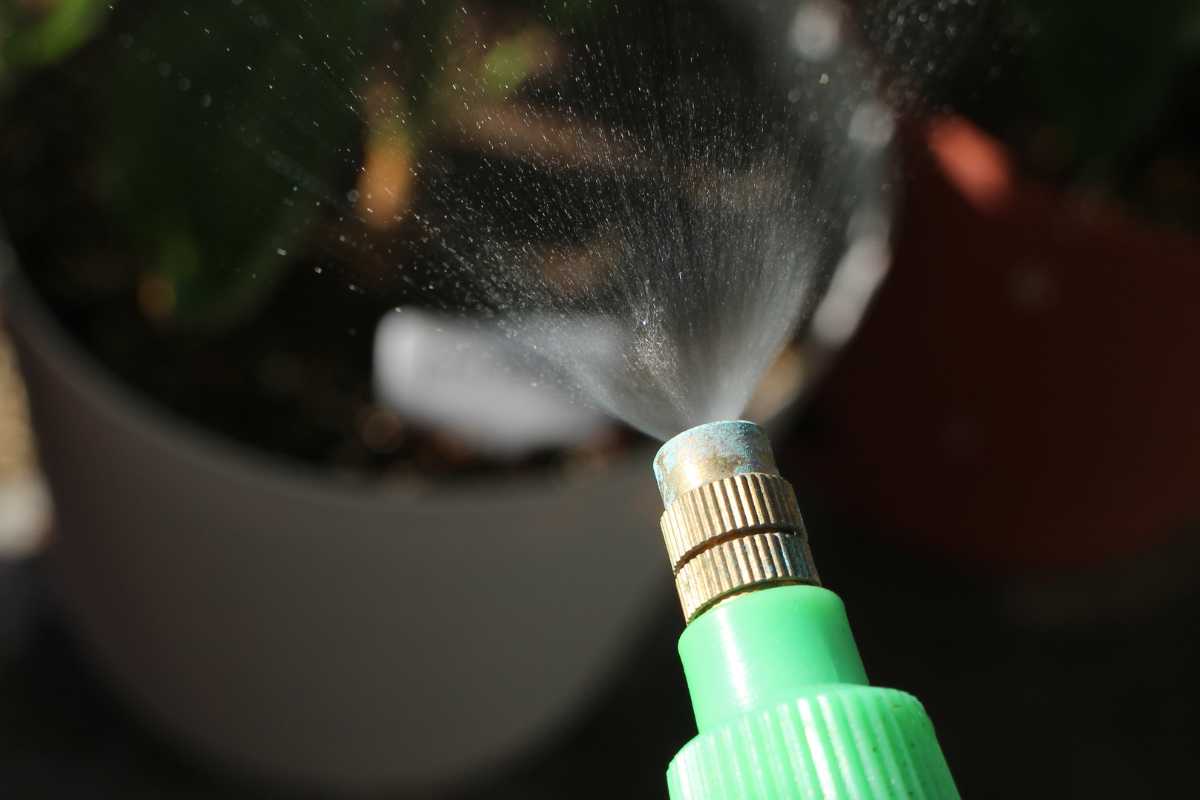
(732, 523)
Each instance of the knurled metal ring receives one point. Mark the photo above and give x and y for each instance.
(742, 563)
(746, 503)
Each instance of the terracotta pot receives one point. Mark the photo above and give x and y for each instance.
(1026, 391)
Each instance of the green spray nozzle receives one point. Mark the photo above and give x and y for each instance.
(783, 707)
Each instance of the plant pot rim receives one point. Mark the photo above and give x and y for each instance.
(24, 308)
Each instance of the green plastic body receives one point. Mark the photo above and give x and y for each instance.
(784, 710)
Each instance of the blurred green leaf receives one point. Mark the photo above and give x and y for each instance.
(229, 128)
(39, 37)
(508, 63)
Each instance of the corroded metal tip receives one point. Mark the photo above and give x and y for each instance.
(710, 452)
(731, 523)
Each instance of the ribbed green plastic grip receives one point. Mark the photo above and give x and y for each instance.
(785, 713)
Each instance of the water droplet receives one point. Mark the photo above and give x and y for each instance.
(816, 30)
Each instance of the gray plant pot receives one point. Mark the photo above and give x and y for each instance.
(343, 638)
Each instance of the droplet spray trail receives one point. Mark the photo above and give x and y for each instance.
(686, 180)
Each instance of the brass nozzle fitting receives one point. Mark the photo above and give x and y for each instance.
(731, 522)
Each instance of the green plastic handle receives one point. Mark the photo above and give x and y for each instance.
(784, 711)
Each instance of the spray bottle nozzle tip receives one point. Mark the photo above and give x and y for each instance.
(711, 452)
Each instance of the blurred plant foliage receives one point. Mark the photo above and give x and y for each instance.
(1107, 71)
(38, 33)
(196, 103)
(214, 126)
(233, 127)
(230, 128)
(1099, 95)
